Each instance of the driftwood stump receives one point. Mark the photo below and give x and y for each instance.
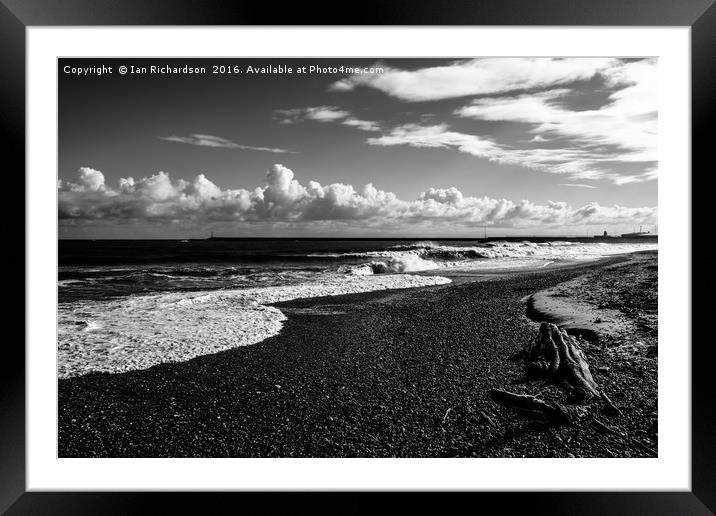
(531, 407)
(558, 354)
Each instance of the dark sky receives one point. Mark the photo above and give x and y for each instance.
(496, 130)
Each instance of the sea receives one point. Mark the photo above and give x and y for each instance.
(132, 304)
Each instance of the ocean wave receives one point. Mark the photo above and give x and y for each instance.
(424, 244)
(140, 331)
(395, 265)
(434, 252)
(496, 250)
(66, 282)
(498, 254)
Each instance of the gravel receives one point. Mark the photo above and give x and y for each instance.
(383, 374)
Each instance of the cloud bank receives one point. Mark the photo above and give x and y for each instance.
(282, 198)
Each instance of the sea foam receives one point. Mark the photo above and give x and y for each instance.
(140, 331)
(424, 256)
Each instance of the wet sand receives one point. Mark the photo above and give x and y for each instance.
(400, 373)
(615, 305)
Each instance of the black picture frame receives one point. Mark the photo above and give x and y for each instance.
(699, 15)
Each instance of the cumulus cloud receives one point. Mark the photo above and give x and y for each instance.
(478, 77)
(207, 140)
(90, 179)
(324, 114)
(283, 198)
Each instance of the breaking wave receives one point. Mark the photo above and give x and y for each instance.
(116, 319)
(140, 331)
(423, 256)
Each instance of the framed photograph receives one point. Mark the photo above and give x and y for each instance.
(432, 250)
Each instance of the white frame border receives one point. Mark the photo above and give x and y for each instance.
(670, 471)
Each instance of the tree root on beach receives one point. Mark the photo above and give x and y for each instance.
(610, 405)
(557, 354)
(532, 407)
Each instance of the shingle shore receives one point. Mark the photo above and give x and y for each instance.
(383, 374)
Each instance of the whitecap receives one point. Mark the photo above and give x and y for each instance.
(138, 332)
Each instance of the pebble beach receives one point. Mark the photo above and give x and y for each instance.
(392, 373)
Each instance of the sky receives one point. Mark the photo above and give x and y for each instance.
(433, 148)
